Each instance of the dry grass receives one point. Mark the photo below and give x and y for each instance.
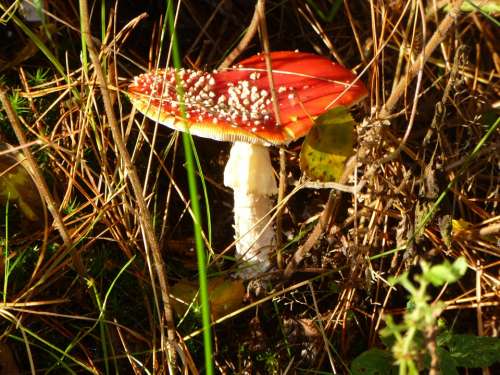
(82, 294)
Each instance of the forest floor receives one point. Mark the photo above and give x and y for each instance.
(396, 270)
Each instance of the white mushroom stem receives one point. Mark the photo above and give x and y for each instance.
(250, 174)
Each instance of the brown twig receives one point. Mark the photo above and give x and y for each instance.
(144, 215)
(282, 173)
(413, 70)
(354, 31)
(317, 232)
(430, 336)
(252, 29)
(279, 213)
(435, 40)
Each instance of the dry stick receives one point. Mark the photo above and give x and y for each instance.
(279, 213)
(252, 29)
(203, 31)
(355, 33)
(419, 74)
(40, 181)
(414, 69)
(431, 345)
(321, 328)
(144, 215)
(435, 40)
(261, 10)
(316, 233)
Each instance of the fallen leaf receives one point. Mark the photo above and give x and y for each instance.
(225, 296)
(460, 227)
(327, 146)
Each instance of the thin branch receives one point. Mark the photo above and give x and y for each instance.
(252, 29)
(435, 40)
(323, 223)
(261, 7)
(144, 214)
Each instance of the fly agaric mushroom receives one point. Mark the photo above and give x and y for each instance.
(236, 105)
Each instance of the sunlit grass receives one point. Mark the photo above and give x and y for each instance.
(433, 199)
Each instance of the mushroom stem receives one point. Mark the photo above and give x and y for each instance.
(250, 174)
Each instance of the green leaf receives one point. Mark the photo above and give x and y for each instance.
(447, 363)
(487, 8)
(373, 362)
(482, 6)
(446, 272)
(474, 351)
(444, 337)
(328, 145)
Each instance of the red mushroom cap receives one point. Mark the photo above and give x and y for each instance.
(236, 104)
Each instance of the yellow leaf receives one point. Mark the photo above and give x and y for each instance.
(225, 296)
(459, 226)
(327, 146)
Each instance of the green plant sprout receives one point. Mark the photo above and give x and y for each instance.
(421, 318)
(38, 77)
(419, 342)
(19, 104)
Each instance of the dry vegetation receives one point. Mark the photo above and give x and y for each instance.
(82, 284)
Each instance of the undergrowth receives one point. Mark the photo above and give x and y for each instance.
(402, 274)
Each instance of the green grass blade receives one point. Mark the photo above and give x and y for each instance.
(485, 10)
(85, 59)
(204, 189)
(103, 20)
(193, 193)
(63, 353)
(102, 329)
(193, 148)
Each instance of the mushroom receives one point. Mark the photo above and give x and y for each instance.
(236, 105)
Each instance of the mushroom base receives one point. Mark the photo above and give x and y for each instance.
(250, 174)
(254, 234)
